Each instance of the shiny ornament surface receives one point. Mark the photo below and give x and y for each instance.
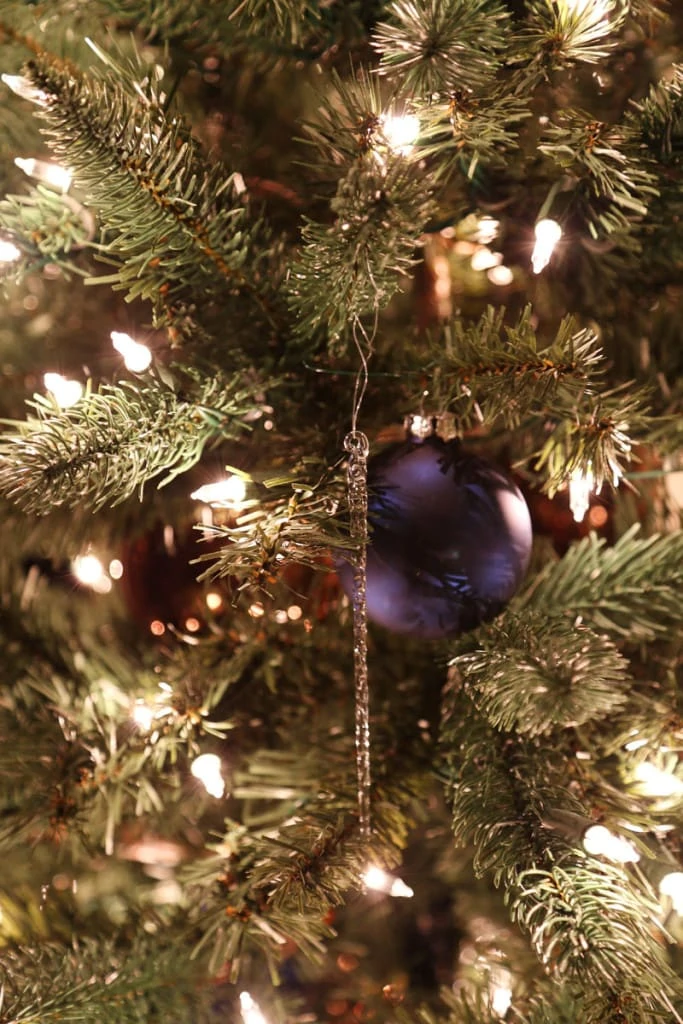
(450, 539)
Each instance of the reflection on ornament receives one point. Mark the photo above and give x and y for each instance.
(116, 569)
(8, 252)
(137, 357)
(401, 132)
(89, 571)
(65, 392)
(450, 541)
(654, 782)
(251, 1013)
(487, 229)
(671, 885)
(600, 842)
(379, 880)
(42, 170)
(207, 768)
(228, 493)
(500, 275)
(580, 489)
(484, 259)
(548, 233)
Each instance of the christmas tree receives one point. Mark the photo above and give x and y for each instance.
(341, 349)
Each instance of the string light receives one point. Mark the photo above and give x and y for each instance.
(500, 275)
(143, 715)
(8, 251)
(116, 569)
(600, 842)
(671, 885)
(375, 878)
(228, 493)
(24, 88)
(214, 601)
(501, 992)
(207, 768)
(51, 174)
(65, 392)
(547, 233)
(401, 132)
(655, 782)
(89, 571)
(137, 357)
(251, 1012)
(580, 489)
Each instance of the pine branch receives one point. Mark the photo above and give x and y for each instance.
(599, 439)
(628, 591)
(438, 46)
(493, 370)
(609, 187)
(173, 222)
(45, 226)
(470, 129)
(582, 913)
(113, 441)
(347, 271)
(535, 673)
(559, 33)
(107, 981)
(659, 118)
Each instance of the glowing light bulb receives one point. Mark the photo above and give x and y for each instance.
(8, 252)
(51, 174)
(580, 489)
(137, 357)
(143, 715)
(379, 880)
(116, 569)
(598, 8)
(24, 88)
(654, 782)
(228, 493)
(548, 233)
(600, 842)
(65, 392)
(401, 132)
(501, 992)
(671, 885)
(89, 571)
(214, 601)
(251, 1012)
(207, 768)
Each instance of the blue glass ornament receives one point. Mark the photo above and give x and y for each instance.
(450, 539)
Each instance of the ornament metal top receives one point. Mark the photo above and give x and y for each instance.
(450, 539)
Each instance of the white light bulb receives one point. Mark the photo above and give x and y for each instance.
(89, 571)
(399, 889)
(137, 357)
(600, 842)
(8, 252)
(65, 392)
(24, 88)
(207, 768)
(227, 493)
(251, 1012)
(580, 489)
(671, 885)
(143, 715)
(501, 991)
(401, 131)
(500, 275)
(51, 174)
(377, 879)
(655, 782)
(547, 233)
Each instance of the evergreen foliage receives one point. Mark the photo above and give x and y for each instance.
(324, 217)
